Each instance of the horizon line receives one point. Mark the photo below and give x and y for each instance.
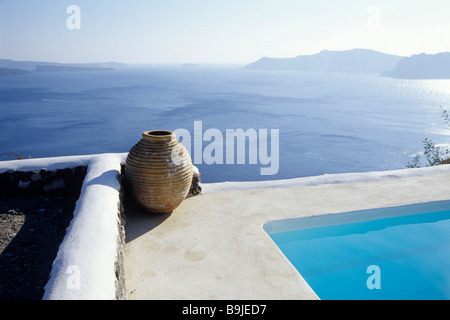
(211, 63)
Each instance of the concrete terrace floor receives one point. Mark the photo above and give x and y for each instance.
(213, 245)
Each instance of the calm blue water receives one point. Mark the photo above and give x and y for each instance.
(412, 253)
(328, 123)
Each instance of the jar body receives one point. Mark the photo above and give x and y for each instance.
(158, 171)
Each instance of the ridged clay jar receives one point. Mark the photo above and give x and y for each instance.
(159, 171)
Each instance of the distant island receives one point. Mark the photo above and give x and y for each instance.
(422, 66)
(27, 67)
(190, 65)
(6, 72)
(40, 68)
(349, 61)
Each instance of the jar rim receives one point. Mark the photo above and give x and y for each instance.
(159, 135)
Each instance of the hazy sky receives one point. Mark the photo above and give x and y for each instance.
(217, 31)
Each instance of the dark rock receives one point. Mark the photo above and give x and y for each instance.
(33, 224)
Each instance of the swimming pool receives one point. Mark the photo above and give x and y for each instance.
(396, 253)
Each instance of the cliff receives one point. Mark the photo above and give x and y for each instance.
(350, 61)
(422, 66)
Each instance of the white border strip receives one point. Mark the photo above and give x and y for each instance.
(85, 264)
(327, 179)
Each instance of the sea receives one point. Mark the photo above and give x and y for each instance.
(313, 123)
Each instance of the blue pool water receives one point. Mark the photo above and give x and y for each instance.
(405, 255)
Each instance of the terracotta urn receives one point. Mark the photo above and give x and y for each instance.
(158, 171)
